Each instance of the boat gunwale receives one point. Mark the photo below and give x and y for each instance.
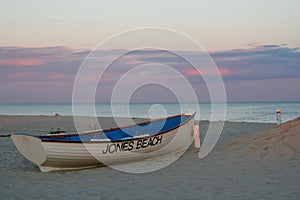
(113, 129)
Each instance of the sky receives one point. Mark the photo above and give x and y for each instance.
(255, 45)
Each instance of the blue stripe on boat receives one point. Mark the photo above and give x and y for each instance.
(128, 132)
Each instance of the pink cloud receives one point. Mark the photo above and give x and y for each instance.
(22, 62)
(223, 72)
(56, 76)
(192, 72)
(136, 62)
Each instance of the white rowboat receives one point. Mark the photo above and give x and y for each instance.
(107, 147)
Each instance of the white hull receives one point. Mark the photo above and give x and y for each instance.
(51, 155)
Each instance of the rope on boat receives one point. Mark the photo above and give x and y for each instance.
(58, 130)
(7, 135)
(52, 131)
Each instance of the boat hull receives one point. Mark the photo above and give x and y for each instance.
(55, 155)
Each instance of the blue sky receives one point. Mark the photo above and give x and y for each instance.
(255, 44)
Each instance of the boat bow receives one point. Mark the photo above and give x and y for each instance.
(31, 147)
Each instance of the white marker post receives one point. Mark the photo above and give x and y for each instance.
(196, 137)
(278, 116)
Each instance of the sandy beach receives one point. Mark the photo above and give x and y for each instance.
(250, 161)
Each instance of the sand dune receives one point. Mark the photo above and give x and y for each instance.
(276, 142)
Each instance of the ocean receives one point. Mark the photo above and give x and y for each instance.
(260, 112)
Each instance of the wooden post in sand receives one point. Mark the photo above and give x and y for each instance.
(278, 116)
(196, 133)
